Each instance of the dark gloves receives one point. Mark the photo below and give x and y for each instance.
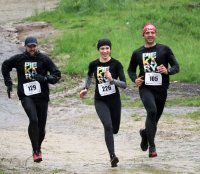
(9, 90)
(52, 79)
(40, 78)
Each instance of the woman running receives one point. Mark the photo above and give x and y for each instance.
(109, 75)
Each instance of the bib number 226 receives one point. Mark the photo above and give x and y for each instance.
(106, 89)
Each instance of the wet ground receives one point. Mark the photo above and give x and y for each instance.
(74, 143)
(13, 10)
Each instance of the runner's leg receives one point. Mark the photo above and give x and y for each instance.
(148, 100)
(105, 117)
(42, 108)
(30, 109)
(115, 109)
(160, 103)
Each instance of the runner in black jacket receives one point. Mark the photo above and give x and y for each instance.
(107, 70)
(33, 90)
(153, 81)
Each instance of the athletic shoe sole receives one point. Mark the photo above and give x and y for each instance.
(144, 142)
(38, 160)
(114, 162)
(153, 155)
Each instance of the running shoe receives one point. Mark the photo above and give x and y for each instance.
(114, 160)
(144, 141)
(40, 154)
(37, 157)
(152, 152)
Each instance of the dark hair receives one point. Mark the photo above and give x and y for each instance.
(103, 42)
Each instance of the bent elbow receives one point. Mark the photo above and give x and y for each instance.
(124, 86)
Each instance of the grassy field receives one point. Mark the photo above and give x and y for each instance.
(83, 22)
(1, 171)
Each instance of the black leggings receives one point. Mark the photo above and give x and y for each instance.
(109, 113)
(154, 103)
(37, 114)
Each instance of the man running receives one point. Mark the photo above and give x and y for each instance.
(153, 60)
(34, 71)
(109, 75)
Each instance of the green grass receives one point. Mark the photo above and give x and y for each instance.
(83, 22)
(193, 115)
(127, 101)
(186, 101)
(136, 117)
(1, 170)
(189, 101)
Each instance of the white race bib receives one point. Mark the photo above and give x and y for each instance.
(154, 79)
(106, 89)
(32, 88)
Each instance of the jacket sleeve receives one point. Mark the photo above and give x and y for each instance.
(88, 79)
(174, 66)
(6, 67)
(55, 74)
(122, 79)
(132, 68)
(88, 82)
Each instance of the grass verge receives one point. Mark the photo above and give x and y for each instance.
(83, 22)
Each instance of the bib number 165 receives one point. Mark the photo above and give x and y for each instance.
(154, 79)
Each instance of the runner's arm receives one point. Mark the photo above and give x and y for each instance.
(88, 79)
(173, 63)
(6, 67)
(118, 83)
(122, 80)
(88, 82)
(132, 68)
(55, 74)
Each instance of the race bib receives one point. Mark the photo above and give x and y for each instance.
(154, 79)
(106, 89)
(32, 88)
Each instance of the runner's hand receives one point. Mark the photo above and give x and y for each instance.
(162, 69)
(83, 93)
(139, 81)
(108, 75)
(9, 90)
(39, 78)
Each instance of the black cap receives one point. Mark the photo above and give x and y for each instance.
(103, 42)
(31, 41)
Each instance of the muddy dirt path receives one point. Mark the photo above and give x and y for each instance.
(12, 10)
(74, 142)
